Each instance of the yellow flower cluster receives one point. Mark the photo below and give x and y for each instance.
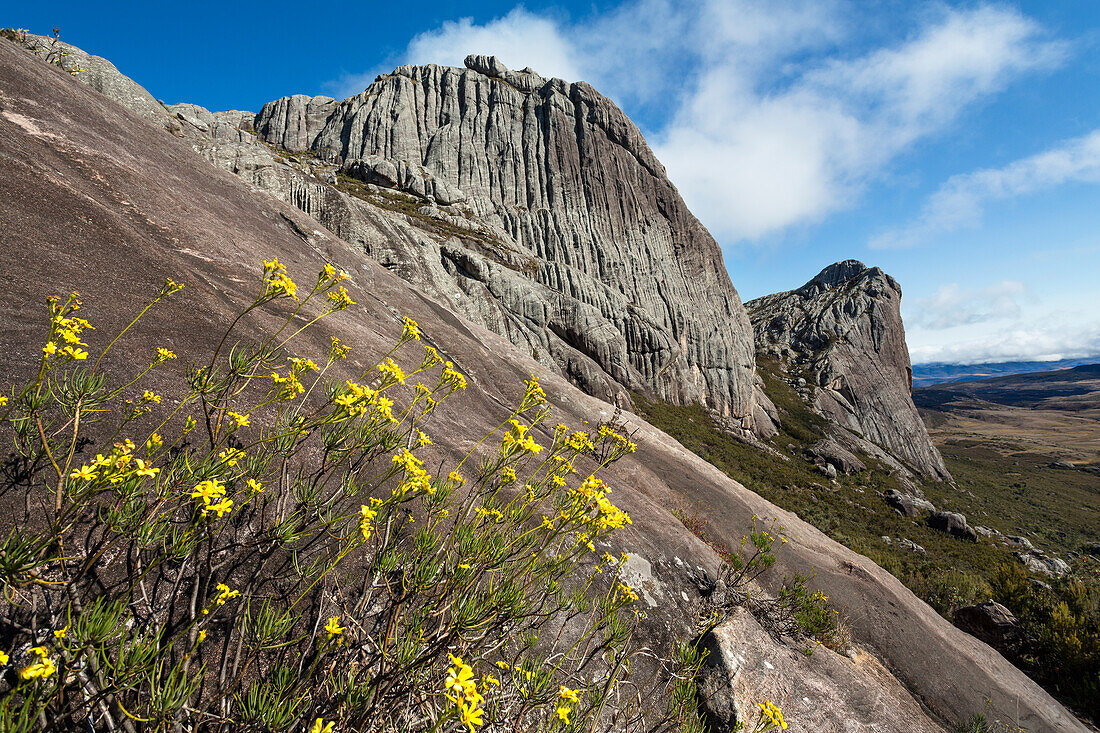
(334, 628)
(461, 689)
(338, 350)
(239, 420)
(580, 442)
(356, 399)
(622, 444)
(211, 497)
(42, 668)
(286, 388)
(277, 284)
(416, 478)
(224, 594)
(410, 331)
(593, 492)
(627, 592)
(772, 714)
(366, 516)
(66, 329)
(534, 396)
(118, 466)
(391, 373)
(163, 355)
(339, 299)
(452, 378)
(517, 439)
(566, 699)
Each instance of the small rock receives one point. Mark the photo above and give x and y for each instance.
(1064, 465)
(907, 544)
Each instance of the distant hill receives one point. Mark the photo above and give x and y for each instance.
(1071, 390)
(939, 372)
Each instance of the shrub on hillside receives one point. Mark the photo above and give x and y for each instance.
(269, 551)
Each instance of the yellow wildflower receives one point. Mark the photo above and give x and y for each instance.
(333, 627)
(254, 486)
(773, 714)
(85, 473)
(410, 330)
(4, 658)
(320, 726)
(339, 299)
(50, 348)
(241, 421)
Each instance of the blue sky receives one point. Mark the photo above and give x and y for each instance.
(956, 145)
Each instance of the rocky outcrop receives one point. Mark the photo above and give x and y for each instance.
(953, 524)
(567, 184)
(906, 504)
(745, 666)
(842, 332)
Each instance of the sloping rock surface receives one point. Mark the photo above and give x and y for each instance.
(843, 331)
(569, 186)
(93, 197)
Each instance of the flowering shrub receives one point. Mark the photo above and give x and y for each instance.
(269, 551)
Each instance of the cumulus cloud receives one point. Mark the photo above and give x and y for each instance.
(753, 154)
(961, 200)
(952, 305)
(519, 39)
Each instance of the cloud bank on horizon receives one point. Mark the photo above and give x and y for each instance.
(772, 117)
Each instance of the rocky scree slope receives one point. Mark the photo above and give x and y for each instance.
(95, 197)
(841, 340)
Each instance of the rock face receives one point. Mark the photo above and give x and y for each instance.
(842, 331)
(745, 666)
(76, 168)
(598, 264)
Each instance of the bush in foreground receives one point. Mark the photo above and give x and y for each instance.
(269, 552)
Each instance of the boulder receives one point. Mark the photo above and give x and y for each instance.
(953, 524)
(908, 505)
(745, 666)
(992, 623)
(830, 451)
(1039, 562)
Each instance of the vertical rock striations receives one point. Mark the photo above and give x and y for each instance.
(842, 331)
(617, 274)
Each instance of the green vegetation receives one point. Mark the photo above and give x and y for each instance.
(1060, 624)
(262, 549)
(408, 205)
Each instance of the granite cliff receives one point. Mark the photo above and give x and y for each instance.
(841, 338)
(556, 208)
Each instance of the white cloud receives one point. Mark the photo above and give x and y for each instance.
(961, 201)
(1036, 341)
(752, 156)
(952, 305)
(519, 39)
